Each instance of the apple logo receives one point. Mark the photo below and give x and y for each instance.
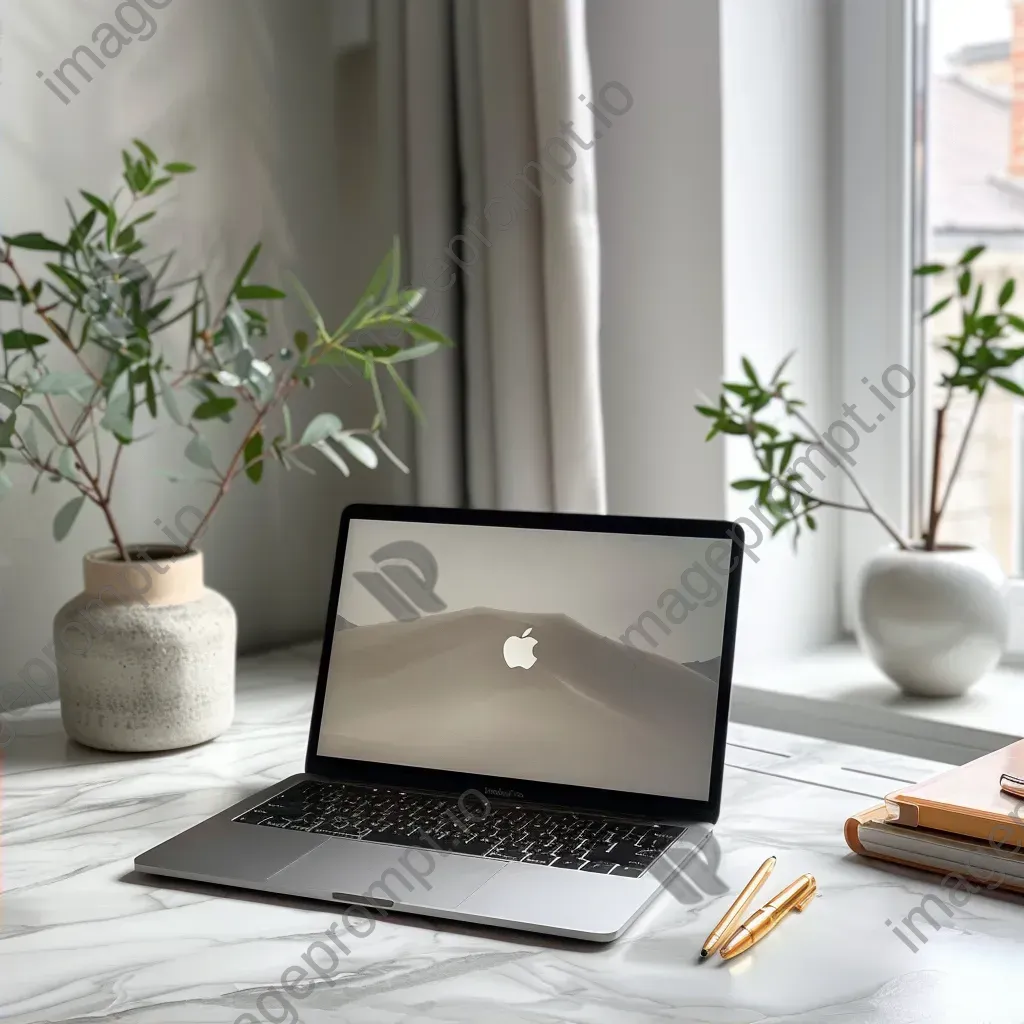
(518, 651)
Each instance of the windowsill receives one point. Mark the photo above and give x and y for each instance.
(837, 694)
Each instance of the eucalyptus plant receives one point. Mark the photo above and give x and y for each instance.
(99, 353)
(981, 356)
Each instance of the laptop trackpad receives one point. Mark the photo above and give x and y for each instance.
(351, 871)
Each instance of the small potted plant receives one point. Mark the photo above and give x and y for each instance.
(931, 615)
(107, 348)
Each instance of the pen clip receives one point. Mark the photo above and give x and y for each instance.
(812, 892)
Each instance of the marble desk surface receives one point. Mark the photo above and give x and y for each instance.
(84, 939)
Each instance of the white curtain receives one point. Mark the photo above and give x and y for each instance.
(501, 219)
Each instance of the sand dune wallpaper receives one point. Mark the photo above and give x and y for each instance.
(531, 694)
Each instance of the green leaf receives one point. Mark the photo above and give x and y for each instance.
(926, 269)
(970, 255)
(151, 394)
(178, 167)
(9, 399)
(34, 240)
(66, 465)
(404, 355)
(82, 230)
(780, 369)
(409, 300)
(748, 369)
(250, 262)
(964, 283)
(19, 340)
(150, 156)
(7, 294)
(706, 410)
(28, 438)
(301, 340)
(1006, 292)
(199, 454)
(1015, 321)
(7, 432)
(320, 428)
(66, 517)
(96, 203)
(390, 454)
(214, 408)
(425, 332)
(253, 451)
(286, 415)
(938, 307)
(329, 453)
(70, 383)
(118, 417)
(383, 286)
(358, 449)
(42, 420)
(403, 389)
(747, 485)
(258, 291)
(1008, 385)
(170, 402)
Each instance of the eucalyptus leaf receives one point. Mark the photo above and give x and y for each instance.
(19, 340)
(65, 518)
(253, 457)
(214, 408)
(320, 428)
(118, 417)
(357, 448)
(199, 454)
(67, 383)
(170, 402)
(332, 456)
(66, 465)
(9, 399)
(42, 419)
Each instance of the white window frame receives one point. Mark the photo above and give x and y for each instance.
(875, 154)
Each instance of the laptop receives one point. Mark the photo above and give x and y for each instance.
(519, 720)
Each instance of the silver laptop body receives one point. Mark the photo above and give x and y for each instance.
(519, 720)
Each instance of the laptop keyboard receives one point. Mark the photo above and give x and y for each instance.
(507, 831)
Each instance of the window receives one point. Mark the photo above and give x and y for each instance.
(971, 144)
(931, 149)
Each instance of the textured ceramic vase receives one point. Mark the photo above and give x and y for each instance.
(933, 621)
(146, 654)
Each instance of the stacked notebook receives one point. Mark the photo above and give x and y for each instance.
(958, 822)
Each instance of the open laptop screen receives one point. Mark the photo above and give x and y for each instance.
(580, 658)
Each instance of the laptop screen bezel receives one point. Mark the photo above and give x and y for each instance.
(526, 790)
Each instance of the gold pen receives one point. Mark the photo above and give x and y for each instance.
(724, 929)
(795, 896)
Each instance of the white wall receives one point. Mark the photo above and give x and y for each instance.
(716, 238)
(285, 138)
(779, 237)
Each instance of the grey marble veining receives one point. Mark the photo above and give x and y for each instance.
(84, 939)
